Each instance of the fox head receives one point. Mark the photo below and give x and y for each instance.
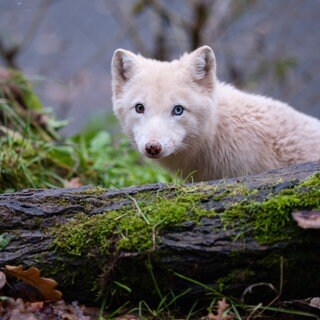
(164, 107)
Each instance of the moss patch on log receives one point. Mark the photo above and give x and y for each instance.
(133, 228)
(270, 220)
(136, 227)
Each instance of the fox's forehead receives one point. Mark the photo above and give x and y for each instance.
(163, 73)
(160, 83)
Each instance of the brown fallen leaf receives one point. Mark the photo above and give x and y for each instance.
(307, 219)
(222, 306)
(36, 306)
(73, 183)
(3, 279)
(18, 309)
(46, 286)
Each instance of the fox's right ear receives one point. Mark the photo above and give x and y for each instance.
(122, 69)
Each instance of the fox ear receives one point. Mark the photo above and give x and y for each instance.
(203, 67)
(122, 69)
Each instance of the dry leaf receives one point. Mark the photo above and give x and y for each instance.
(36, 306)
(17, 309)
(315, 303)
(222, 306)
(73, 183)
(307, 219)
(3, 279)
(32, 277)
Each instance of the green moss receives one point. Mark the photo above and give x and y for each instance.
(132, 228)
(99, 240)
(96, 191)
(135, 228)
(271, 220)
(4, 240)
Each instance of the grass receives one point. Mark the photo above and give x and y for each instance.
(220, 308)
(34, 155)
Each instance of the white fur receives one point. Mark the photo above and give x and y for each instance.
(223, 132)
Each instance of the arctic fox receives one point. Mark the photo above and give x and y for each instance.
(181, 115)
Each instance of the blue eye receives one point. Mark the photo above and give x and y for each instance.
(139, 108)
(177, 110)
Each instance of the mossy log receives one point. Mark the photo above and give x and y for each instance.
(157, 240)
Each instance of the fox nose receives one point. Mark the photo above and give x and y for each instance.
(153, 147)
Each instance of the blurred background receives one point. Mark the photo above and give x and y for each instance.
(65, 47)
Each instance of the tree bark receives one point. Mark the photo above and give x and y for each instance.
(189, 256)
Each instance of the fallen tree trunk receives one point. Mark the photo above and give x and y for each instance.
(226, 235)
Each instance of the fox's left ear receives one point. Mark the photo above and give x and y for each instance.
(203, 67)
(122, 69)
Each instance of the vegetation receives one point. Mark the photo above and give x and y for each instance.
(135, 228)
(34, 155)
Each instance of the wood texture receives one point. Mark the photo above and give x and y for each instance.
(205, 252)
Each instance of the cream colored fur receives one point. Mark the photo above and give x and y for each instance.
(223, 132)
